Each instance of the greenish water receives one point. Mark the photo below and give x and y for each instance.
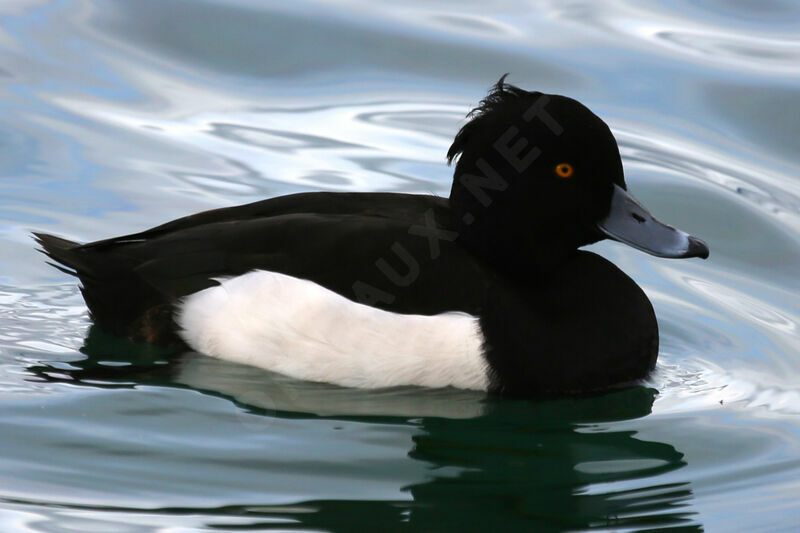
(118, 115)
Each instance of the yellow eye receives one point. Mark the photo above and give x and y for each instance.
(564, 170)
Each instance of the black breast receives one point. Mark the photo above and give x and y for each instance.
(586, 327)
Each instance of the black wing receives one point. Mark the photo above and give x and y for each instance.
(393, 251)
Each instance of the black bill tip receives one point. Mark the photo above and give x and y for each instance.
(697, 248)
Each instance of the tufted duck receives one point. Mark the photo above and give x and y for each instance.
(486, 289)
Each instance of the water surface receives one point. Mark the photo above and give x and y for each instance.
(119, 115)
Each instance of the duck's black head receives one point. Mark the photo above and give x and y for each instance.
(539, 175)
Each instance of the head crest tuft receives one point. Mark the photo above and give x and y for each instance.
(502, 96)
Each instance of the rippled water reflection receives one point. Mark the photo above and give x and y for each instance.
(122, 114)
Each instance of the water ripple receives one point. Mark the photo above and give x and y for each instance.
(765, 53)
(688, 38)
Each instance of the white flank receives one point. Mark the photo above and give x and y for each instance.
(301, 329)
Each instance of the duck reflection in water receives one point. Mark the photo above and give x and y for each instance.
(491, 463)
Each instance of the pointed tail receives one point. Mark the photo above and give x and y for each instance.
(63, 252)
